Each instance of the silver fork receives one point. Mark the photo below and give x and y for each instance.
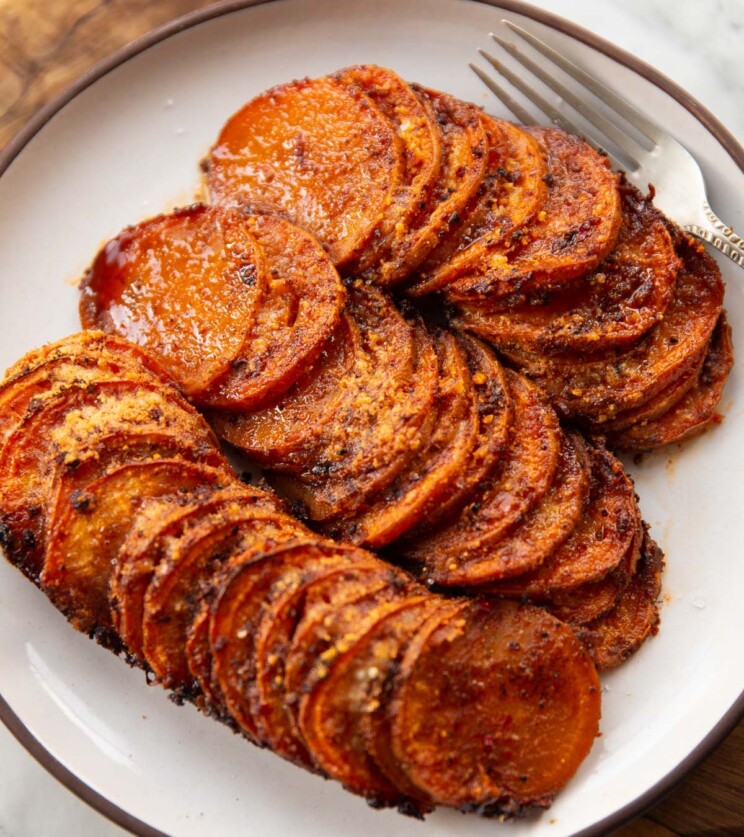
(654, 157)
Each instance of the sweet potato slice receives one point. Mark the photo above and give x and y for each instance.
(316, 151)
(576, 229)
(598, 543)
(692, 413)
(183, 577)
(422, 154)
(376, 430)
(525, 546)
(494, 708)
(612, 638)
(238, 607)
(85, 544)
(518, 484)
(300, 308)
(514, 189)
(615, 305)
(150, 284)
(319, 587)
(286, 434)
(598, 386)
(331, 713)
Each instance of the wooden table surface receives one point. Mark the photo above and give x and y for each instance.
(44, 44)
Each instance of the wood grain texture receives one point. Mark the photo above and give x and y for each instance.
(43, 47)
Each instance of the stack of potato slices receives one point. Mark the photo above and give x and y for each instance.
(117, 502)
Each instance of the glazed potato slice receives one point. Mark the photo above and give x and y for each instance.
(525, 546)
(612, 638)
(523, 478)
(421, 144)
(494, 708)
(598, 543)
(576, 228)
(598, 386)
(319, 586)
(84, 546)
(695, 410)
(185, 285)
(300, 307)
(513, 190)
(615, 305)
(318, 152)
(331, 714)
(377, 427)
(287, 434)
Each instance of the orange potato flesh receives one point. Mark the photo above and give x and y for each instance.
(494, 708)
(514, 189)
(318, 152)
(615, 305)
(575, 230)
(185, 286)
(300, 307)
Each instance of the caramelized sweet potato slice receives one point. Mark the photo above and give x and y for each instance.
(513, 190)
(287, 434)
(316, 151)
(525, 546)
(524, 476)
(422, 156)
(377, 427)
(332, 712)
(576, 229)
(85, 543)
(692, 413)
(598, 386)
(300, 308)
(185, 285)
(612, 638)
(494, 708)
(598, 543)
(615, 305)
(239, 606)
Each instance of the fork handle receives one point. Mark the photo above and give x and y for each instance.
(723, 238)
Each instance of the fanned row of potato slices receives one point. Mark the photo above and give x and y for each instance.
(117, 501)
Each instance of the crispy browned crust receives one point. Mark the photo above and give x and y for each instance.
(524, 671)
(149, 285)
(577, 228)
(614, 305)
(313, 151)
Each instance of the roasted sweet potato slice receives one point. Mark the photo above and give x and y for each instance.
(615, 305)
(85, 544)
(518, 484)
(331, 714)
(150, 284)
(316, 151)
(184, 576)
(377, 427)
(598, 543)
(300, 308)
(612, 638)
(287, 434)
(692, 413)
(421, 144)
(319, 587)
(598, 386)
(526, 545)
(494, 708)
(575, 230)
(513, 190)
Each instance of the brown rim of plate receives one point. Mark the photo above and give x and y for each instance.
(714, 127)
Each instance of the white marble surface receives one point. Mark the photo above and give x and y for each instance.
(698, 44)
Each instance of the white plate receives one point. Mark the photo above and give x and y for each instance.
(127, 146)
